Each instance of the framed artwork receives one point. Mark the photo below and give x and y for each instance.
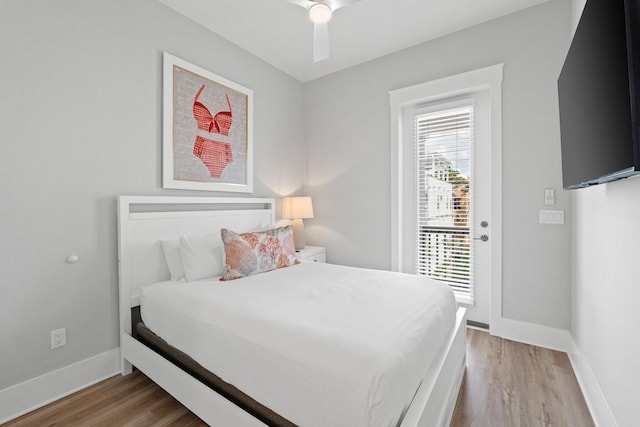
(207, 130)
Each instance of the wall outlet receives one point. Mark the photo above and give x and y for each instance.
(58, 338)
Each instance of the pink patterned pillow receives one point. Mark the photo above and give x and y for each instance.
(253, 253)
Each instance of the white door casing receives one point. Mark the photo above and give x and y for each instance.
(485, 87)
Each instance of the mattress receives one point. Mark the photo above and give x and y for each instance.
(319, 344)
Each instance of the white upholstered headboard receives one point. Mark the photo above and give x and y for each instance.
(143, 221)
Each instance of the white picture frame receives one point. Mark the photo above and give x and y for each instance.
(207, 130)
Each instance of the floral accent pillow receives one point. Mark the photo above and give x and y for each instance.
(257, 252)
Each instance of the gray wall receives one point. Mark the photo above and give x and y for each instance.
(605, 291)
(80, 124)
(604, 294)
(348, 167)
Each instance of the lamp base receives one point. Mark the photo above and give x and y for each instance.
(298, 234)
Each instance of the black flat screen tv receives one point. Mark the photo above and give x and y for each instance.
(598, 92)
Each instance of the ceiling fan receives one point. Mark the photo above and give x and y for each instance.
(320, 13)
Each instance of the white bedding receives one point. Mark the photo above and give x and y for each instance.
(320, 344)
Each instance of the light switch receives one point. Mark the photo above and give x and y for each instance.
(551, 217)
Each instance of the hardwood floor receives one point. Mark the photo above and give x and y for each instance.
(132, 401)
(512, 384)
(506, 384)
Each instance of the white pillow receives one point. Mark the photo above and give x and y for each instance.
(171, 249)
(201, 256)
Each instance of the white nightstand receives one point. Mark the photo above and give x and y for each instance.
(312, 254)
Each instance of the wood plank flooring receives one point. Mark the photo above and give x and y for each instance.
(512, 384)
(506, 384)
(132, 401)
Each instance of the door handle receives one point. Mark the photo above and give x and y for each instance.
(484, 238)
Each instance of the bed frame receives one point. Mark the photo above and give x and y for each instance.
(145, 220)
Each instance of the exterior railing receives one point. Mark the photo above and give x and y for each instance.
(444, 254)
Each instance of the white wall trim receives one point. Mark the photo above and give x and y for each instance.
(531, 333)
(561, 340)
(593, 395)
(32, 394)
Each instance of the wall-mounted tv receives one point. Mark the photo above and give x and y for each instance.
(599, 95)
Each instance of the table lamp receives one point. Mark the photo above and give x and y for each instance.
(297, 208)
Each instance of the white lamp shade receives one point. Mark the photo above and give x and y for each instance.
(297, 208)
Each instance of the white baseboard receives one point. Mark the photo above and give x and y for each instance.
(19, 399)
(596, 402)
(561, 340)
(32, 394)
(531, 333)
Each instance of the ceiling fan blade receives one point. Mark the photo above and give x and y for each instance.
(321, 30)
(304, 3)
(337, 4)
(320, 42)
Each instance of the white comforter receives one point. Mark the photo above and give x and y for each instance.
(320, 344)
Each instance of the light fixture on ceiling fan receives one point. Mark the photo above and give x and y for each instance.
(320, 12)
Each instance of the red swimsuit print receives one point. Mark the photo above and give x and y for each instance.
(215, 155)
(220, 123)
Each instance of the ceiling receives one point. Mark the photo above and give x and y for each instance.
(280, 33)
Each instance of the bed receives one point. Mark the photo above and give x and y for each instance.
(255, 360)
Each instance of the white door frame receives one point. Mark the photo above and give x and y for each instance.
(489, 78)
